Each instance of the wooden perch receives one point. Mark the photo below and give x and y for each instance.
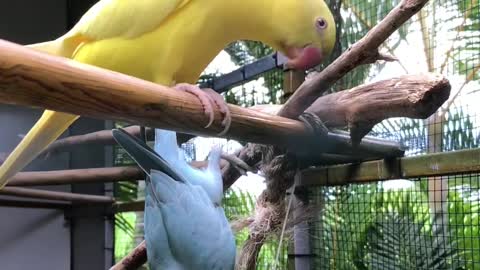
(78, 176)
(83, 176)
(414, 96)
(35, 79)
(134, 260)
(100, 138)
(33, 204)
(56, 195)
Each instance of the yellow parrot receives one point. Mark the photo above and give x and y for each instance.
(172, 41)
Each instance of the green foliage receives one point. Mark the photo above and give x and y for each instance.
(246, 52)
(458, 131)
(359, 16)
(395, 241)
(124, 234)
(465, 42)
(348, 214)
(367, 227)
(464, 220)
(239, 204)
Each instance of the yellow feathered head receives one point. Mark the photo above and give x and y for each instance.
(307, 31)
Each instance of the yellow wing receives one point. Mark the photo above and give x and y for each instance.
(124, 18)
(106, 19)
(109, 19)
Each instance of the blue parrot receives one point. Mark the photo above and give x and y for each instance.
(185, 225)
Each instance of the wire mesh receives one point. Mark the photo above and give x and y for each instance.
(424, 223)
(398, 224)
(443, 38)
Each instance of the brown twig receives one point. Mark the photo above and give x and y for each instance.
(367, 24)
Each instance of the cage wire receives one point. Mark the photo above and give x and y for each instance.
(420, 223)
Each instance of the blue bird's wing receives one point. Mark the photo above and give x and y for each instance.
(158, 248)
(210, 179)
(180, 211)
(144, 156)
(198, 232)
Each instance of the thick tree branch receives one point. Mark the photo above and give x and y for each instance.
(414, 96)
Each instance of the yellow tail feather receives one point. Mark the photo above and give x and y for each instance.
(51, 47)
(50, 126)
(59, 47)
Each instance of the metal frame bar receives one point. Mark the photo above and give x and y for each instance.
(444, 163)
(33, 204)
(246, 72)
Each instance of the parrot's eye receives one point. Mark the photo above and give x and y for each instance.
(321, 23)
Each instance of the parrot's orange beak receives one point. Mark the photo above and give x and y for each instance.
(303, 58)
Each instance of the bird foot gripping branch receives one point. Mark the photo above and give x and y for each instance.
(208, 97)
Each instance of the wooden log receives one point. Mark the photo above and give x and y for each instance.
(415, 96)
(35, 79)
(56, 195)
(33, 204)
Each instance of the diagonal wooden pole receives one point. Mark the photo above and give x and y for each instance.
(35, 79)
(56, 195)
